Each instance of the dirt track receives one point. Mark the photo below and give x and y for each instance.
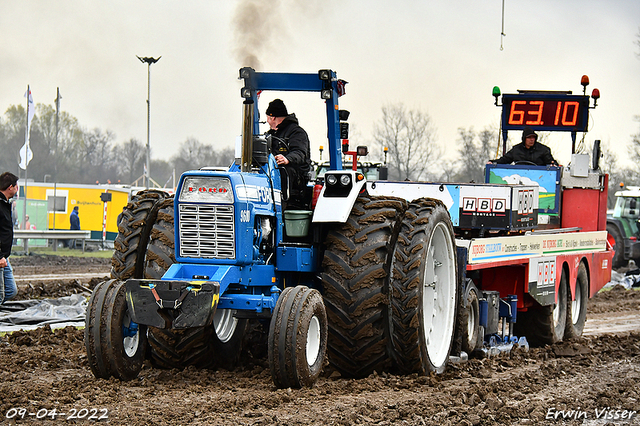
(594, 375)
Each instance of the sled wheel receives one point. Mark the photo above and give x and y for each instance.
(134, 226)
(297, 338)
(126, 340)
(618, 247)
(545, 325)
(355, 281)
(577, 308)
(424, 288)
(470, 321)
(93, 341)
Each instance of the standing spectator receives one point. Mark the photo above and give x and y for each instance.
(8, 190)
(74, 219)
(27, 224)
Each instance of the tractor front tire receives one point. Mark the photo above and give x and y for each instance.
(297, 338)
(93, 335)
(115, 345)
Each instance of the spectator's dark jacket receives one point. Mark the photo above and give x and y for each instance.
(6, 227)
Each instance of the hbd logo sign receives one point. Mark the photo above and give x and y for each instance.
(484, 205)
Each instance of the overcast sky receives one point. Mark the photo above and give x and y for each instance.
(440, 57)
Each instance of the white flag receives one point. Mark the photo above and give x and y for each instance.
(25, 155)
(25, 152)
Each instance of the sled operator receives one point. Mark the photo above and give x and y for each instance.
(529, 150)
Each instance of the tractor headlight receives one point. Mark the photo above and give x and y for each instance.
(339, 183)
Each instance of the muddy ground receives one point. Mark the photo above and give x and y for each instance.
(592, 379)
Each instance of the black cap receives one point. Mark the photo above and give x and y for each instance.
(277, 108)
(528, 131)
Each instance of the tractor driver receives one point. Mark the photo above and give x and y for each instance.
(529, 150)
(290, 145)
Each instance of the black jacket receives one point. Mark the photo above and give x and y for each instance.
(291, 140)
(538, 154)
(6, 227)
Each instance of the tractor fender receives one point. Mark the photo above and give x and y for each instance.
(336, 201)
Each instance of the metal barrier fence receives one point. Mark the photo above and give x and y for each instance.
(26, 234)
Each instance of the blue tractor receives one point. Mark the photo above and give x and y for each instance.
(194, 272)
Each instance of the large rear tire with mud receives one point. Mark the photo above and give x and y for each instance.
(134, 226)
(355, 281)
(218, 345)
(115, 345)
(545, 325)
(297, 338)
(424, 289)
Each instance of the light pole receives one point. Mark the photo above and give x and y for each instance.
(148, 61)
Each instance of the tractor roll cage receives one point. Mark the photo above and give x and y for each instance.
(325, 82)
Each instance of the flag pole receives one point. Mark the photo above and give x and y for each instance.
(26, 164)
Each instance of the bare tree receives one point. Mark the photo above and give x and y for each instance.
(69, 134)
(609, 164)
(224, 157)
(477, 148)
(632, 177)
(193, 154)
(410, 137)
(95, 156)
(131, 157)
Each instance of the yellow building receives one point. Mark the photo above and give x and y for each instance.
(60, 200)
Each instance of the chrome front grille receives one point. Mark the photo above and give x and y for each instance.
(207, 231)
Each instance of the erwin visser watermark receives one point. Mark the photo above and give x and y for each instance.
(606, 413)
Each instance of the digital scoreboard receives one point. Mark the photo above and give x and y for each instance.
(545, 111)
